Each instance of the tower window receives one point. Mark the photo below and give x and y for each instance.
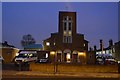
(65, 39)
(70, 18)
(69, 39)
(70, 26)
(64, 18)
(65, 34)
(65, 27)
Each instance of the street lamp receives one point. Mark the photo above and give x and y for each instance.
(53, 54)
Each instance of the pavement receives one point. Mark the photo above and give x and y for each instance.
(9, 74)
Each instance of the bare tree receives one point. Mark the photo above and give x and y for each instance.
(27, 40)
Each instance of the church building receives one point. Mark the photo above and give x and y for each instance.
(67, 45)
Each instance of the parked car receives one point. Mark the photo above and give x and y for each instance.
(25, 57)
(110, 60)
(100, 60)
(43, 60)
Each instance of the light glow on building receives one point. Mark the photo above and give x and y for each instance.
(47, 43)
(52, 52)
(68, 56)
(17, 54)
(81, 54)
(46, 55)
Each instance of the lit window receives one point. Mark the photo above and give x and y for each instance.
(69, 33)
(67, 29)
(47, 43)
(65, 33)
(84, 45)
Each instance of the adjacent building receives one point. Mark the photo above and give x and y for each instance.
(103, 52)
(116, 50)
(108, 51)
(67, 45)
(8, 52)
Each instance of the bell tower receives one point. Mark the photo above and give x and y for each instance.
(67, 26)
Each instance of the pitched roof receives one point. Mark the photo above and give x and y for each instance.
(33, 46)
(5, 44)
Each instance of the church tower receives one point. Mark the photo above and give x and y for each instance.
(67, 26)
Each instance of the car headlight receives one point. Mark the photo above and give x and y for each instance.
(15, 60)
(23, 60)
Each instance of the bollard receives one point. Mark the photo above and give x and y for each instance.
(19, 66)
(26, 66)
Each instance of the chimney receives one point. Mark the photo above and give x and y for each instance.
(91, 49)
(95, 48)
(110, 42)
(101, 44)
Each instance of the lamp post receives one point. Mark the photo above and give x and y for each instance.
(54, 60)
(54, 65)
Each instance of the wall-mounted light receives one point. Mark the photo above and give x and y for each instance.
(47, 43)
(52, 53)
(81, 53)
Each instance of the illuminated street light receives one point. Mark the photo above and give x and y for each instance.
(47, 43)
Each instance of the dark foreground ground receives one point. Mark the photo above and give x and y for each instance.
(30, 75)
(60, 79)
(12, 73)
(56, 78)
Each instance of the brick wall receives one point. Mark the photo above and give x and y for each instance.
(73, 68)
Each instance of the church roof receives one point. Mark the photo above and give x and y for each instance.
(33, 46)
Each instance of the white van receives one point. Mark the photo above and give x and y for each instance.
(26, 56)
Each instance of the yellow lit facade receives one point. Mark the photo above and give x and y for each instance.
(69, 46)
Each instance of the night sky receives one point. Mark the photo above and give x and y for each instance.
(94, 20)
